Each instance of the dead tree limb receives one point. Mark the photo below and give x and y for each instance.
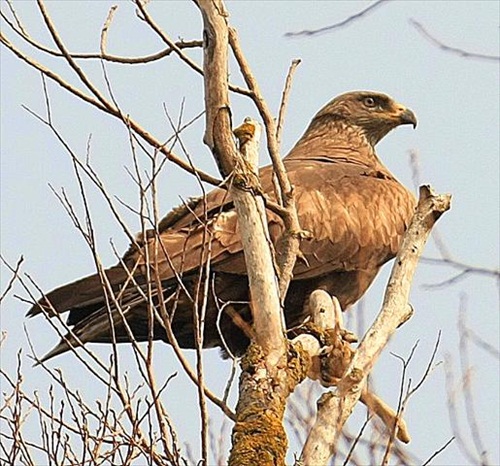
(244, 186)
(328, 345)
(258, 435)
(288, 248)
(335, 408)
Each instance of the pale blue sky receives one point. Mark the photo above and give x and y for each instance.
(457, 104)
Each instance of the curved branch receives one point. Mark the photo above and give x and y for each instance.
(284, 99)
(464, 268)
(21, 32)
(71, 62)
(158, 30)
(14, 275)
(193, 65)
(345, 22)
(447, 48)
(128, 121)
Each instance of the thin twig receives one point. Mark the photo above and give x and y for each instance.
(467, 384)
(71, 62)
(465, 270)
(19, 29)
(447, 48)
(446, 256)
(178, 51)
(451, 398)
(105, 28)
(357, 439)
(345, 22)
(284, 99)
(15, 273)
(290, 245)
(139, 130)
(437, 452)
(430, 367)
(481, 343)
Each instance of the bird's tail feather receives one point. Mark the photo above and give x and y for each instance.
(100, 326)
(95, 315)
(86, 292)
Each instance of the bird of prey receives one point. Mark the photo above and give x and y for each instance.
(353, 208)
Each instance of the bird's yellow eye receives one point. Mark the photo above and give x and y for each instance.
(369, 102)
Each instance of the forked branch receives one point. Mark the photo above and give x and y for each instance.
(249, 206)
(336, 408)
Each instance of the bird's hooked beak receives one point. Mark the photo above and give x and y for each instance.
(406, 116)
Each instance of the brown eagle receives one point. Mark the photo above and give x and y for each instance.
(354, 209)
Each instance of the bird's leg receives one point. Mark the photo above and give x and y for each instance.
(325, 339)
(348, 336)
(328, 343)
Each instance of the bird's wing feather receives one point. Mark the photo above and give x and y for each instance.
(355, 216)
(353, 209)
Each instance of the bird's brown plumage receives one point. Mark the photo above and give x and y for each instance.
(353, 208)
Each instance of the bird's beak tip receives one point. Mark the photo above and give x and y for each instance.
(407, 117)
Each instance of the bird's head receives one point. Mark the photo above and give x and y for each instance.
(373, 112)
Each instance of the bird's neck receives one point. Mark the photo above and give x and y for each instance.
(336, 140)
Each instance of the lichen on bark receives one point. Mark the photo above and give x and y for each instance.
(259, 436)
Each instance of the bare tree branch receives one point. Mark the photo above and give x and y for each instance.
(265, 302)
(289, 247)
(437, 452)
(98, 101)
(253, 225)
(460, 52)
(270, 371)
(345, 22)
(284, 99)
(20, 30)
(452, 404)
(15, 273)
(416, 175)
(336, 407)
(446, 256)
(465, 271)
(475, 434)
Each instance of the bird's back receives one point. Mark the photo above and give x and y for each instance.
(352, 209)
